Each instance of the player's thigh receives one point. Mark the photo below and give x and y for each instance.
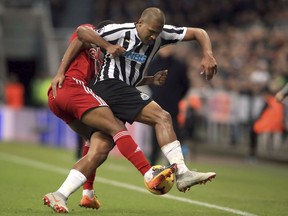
(102, 119)
(80, 128)
(150, 114)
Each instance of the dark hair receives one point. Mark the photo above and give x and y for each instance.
(104, 23)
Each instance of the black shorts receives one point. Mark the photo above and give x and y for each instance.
(124, 100)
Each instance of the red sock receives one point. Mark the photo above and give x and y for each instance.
(88, 185)
(131, 151)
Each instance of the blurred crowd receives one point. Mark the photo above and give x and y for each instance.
(249, 38)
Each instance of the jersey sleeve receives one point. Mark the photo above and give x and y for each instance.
(173, 34)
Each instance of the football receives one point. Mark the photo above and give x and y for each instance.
(164, 187)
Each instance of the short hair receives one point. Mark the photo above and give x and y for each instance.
(155, 13)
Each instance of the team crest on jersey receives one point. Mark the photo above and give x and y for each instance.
(144, 96)
(93, 53)
(100, 31)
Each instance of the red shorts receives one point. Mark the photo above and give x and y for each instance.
(73, 100)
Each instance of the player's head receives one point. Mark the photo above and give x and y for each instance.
(150, 24)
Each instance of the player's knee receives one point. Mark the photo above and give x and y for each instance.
(97, 157)
(165, 117)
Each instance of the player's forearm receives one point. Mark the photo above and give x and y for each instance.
(202, 37)
(147, 80)
(88, 35)
(72, 51)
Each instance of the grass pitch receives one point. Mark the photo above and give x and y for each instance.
(29, 172)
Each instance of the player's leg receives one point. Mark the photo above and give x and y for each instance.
(155, 116)
(79, 102)
(155, 150)
(97, 154)
(57, 200)
(137, 106)
(103, 119)
(151, 176)
(89, 198)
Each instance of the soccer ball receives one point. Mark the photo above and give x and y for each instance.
(164, 187)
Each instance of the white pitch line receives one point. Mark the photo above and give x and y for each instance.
(55, 169)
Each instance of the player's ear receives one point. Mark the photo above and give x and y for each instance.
(140, 21)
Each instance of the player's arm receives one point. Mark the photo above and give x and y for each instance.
(157, 79)
(280, 95)
(72, 51)
(208, 63)
(88, 35)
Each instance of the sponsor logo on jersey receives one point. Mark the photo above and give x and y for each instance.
(133, 56)
(144, 96)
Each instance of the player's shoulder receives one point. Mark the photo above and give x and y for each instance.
(172, 29)
(120, 26)
(74, 34)
(88, 25)
(116, 29)
(171, 32)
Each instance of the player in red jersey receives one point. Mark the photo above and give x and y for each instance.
(76, 104)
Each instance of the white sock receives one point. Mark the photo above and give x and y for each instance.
(74, 180)
(148, 175)
(173, 153)
(89, 193)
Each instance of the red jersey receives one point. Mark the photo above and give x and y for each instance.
(75, 97)
(86, 64)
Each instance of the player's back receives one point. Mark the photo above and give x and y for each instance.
(83, 66)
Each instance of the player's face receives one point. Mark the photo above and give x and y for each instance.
(148, 30)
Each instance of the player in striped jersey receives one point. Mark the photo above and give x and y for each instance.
(120, 75)
(84, 111)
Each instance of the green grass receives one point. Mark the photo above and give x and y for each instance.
(28, 172)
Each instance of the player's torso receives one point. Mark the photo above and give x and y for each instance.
(130, 67)
(85, 66)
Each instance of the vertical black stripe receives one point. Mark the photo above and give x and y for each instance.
(123, 67)
(137, 41)
(121, 58)
(106, 67)
(133, 66)
(141, 69)
(116, 73)
(117, 30)
(126, 40)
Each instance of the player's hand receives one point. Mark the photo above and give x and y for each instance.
(208, 66)
(57, 82)
(115, 50)
(160, 77)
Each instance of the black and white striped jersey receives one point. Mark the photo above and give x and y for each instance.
(130, 67)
